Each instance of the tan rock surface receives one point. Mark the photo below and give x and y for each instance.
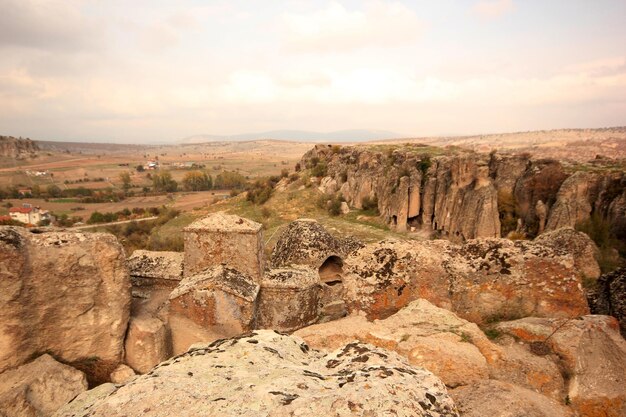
(592, 352)
(147, 343)
(39, 388)
(122, 374)
(480, 280)
(428, 336)
(63, 293)
(500, 399)
(266, 373)
(288, 299)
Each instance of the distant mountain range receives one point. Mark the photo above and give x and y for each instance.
(299, 136)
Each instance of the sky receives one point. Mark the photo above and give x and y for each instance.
(150, 71)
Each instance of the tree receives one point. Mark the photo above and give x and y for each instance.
(126, 182)
(164, 182)
(54, 191)
(230, 180)
(197, 181)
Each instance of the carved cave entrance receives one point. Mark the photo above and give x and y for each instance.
(331, 271)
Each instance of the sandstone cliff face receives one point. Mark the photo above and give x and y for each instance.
(267, 374)
(464, 195)
(583, 194)
(18, 148)
(63, 293)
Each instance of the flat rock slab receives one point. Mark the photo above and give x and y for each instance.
(268, 374)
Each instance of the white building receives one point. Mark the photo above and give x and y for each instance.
(29, 215)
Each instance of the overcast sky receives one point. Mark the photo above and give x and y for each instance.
(153, 71)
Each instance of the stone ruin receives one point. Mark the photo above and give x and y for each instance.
(421, 299)
(220, 286)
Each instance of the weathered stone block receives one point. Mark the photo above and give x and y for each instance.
(147, 343)
(223, 239)
(219, 302)
(288, 299)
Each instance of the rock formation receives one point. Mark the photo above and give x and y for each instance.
(496, 398)
(17, 148)
(306, 242)
(219, 302)
(63, 293)
(265, 373)
(592, 353)
(289, 299)
(465, 195)
(147, 343)
(39, 388)
(481, 280)
(224, 239)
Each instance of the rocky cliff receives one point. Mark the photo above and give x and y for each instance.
(11, 147)
(464, 195)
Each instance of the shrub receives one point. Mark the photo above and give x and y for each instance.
(319, 170)
(601, 231)
(370, 204)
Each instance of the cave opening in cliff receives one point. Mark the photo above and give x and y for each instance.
(331, 271)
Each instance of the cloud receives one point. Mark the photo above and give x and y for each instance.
(492, 9)
(335, 28)
(46, 24)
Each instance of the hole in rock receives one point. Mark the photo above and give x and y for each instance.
(331, 271)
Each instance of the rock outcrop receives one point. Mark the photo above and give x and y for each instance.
(39, 388)
(501, 399)
(481, 280)
(609, 297)
(17, 148)
(306, 242)
(465, 195)
(63, 293)
(265, 373)
(592, 354)
(454, 349)
(147, 343)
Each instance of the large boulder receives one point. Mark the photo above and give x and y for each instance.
(266, 373)
(573, 203)
(591, 352)
(39, 388)
(427, 336)
(156, 268)
(306, 242)
(63, 293)
(567, 241)
(481, 280)
(454, 349)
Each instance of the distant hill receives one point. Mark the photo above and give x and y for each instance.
(18, 148)
(299, 135)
